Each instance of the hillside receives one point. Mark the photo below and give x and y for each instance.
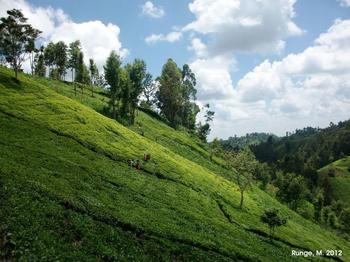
(307, 149)
(339, 174)
(237, 142)
(68, 193)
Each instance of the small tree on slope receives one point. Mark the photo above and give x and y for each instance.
(245, 164)
(273, 220)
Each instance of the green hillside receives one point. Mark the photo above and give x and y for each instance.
(339, 178)
(68, 193)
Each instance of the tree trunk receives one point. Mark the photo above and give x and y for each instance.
(241, 204)
(113, 108)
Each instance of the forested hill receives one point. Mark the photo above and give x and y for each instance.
(238, 142)
(306, 149)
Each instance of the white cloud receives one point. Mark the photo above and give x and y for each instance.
(214, 78)
(199, 48)
(171, 37)
(149, 9)
(250, 25)
(308, 88)
(344, 3)
(97, 39)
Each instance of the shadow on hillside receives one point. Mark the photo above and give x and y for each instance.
(10, 82)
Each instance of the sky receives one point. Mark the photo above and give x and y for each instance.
(262, 65)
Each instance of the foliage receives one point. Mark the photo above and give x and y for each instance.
(16, 38)
(245, 164)
(149, 91)
(82, 72)
(136, 73)
(236, 143)
(40, 69)
(112, 76)
(292, 189)
(203, 130)
(176, 95)
(73, 53)
(273, 220)
(94, 75)
(306, 149)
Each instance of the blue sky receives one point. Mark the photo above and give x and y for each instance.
(313, 16)
(241, 52)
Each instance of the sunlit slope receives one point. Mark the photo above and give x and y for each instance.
(67, 192)
(340, 180)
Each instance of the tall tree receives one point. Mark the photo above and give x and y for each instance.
(60, 58)
(169, 94)
(15, 36)
(49, 56)
(93, 74)
(112, 75)
(73, 54)
(125, 87)
(189, 108)
(149, 90)
(32, 51)
(204, 129)
(40, 69)
(82, 72)
(137, 74)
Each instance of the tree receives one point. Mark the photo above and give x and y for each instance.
(273, 220)
(245, 164)
(40, 69)
(125, 87)
(345, 219)
(189, 107)
(112, 75)
(215, 147)
(73, 54)
(292, 190)
(93, 74)
(49, 56)
(15, 37)
(149, 90)
(203, 130)
(82, 73)
(137, 74)
(169, 93)
(61, 58)
(32, 51)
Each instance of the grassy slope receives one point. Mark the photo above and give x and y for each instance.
(341, 181)
(68, 193)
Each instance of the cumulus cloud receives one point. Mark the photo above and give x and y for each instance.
(97, 39)
(344, 3)
(307, 88)
(214, 78)
(248, 25)
(171, 37)
(149, 9)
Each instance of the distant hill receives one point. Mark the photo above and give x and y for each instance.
(306, 149)
(69, 192)
(339, 175)
(237, 142)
